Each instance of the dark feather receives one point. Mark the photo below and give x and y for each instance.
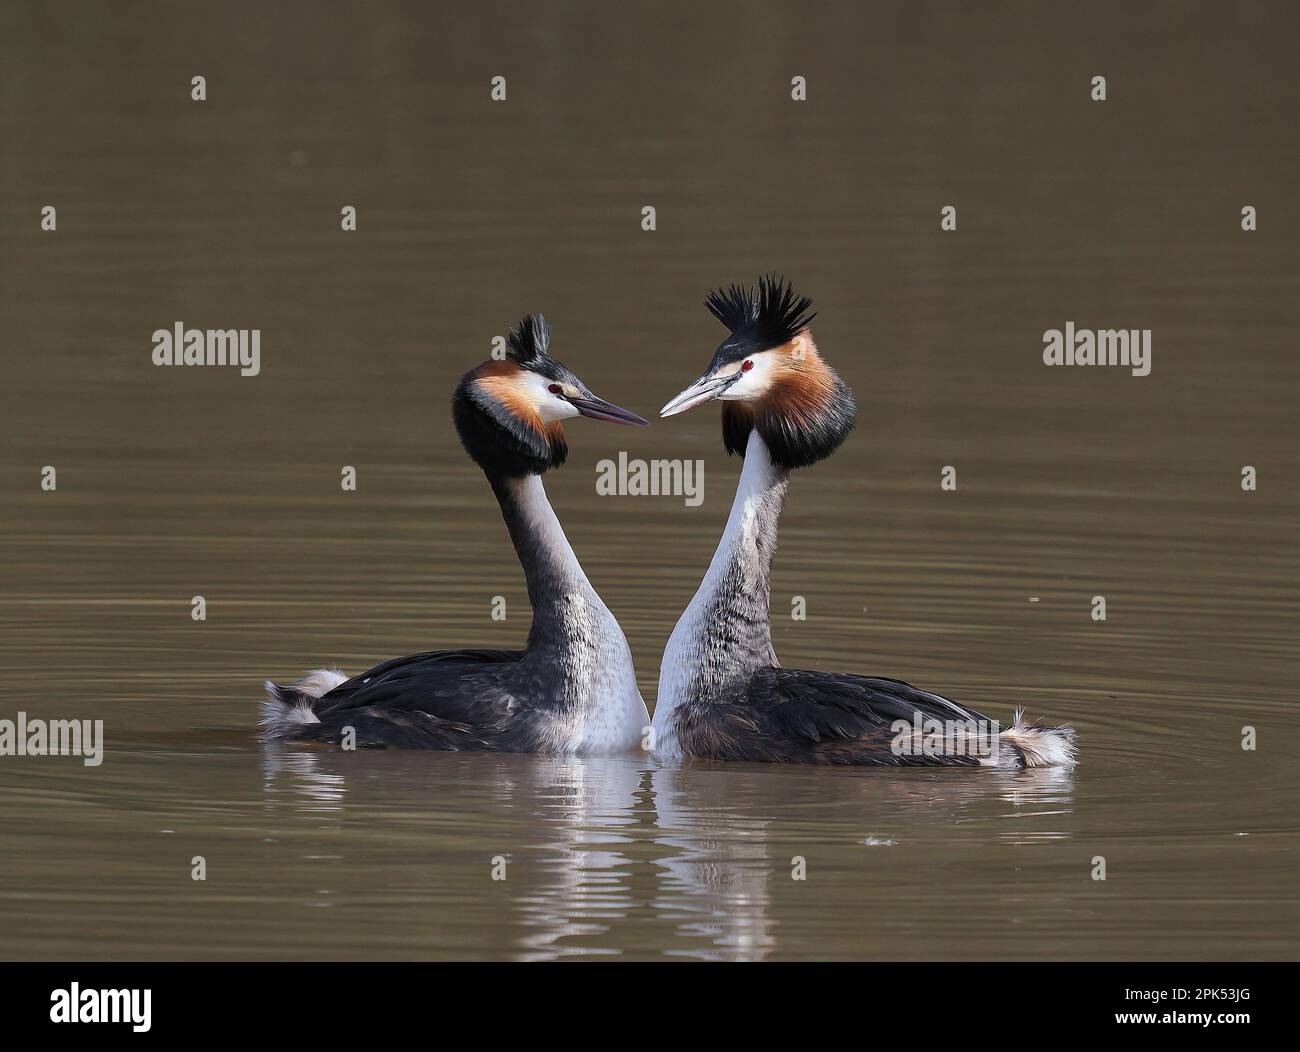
(498, 441)
(791, 716)
(792, 443)
(457, 700)
(761, 317)
(528, 342)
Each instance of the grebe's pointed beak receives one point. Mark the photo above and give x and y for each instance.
(704, 389)
(599, 409)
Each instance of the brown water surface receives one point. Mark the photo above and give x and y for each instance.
(1072, 483)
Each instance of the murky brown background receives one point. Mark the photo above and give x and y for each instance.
(1072, 483)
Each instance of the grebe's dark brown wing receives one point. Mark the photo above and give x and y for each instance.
(792, 716)
(451, 700)
(402, 669)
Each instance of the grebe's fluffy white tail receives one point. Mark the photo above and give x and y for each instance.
(320, 681)
(1040, 746)
(287, 708)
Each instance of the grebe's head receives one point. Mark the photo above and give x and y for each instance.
(508, 412)
(771, 377)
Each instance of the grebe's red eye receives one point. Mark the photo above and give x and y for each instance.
(746, 365)
(554, 388)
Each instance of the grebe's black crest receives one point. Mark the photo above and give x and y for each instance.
(528, 343)
(759, 318)
(497, 426)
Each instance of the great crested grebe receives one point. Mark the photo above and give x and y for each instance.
(722, 693)
(572, 689)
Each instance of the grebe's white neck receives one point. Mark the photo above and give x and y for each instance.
(577, 646)
(751, 531)
(556, 581)
(726, 632)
